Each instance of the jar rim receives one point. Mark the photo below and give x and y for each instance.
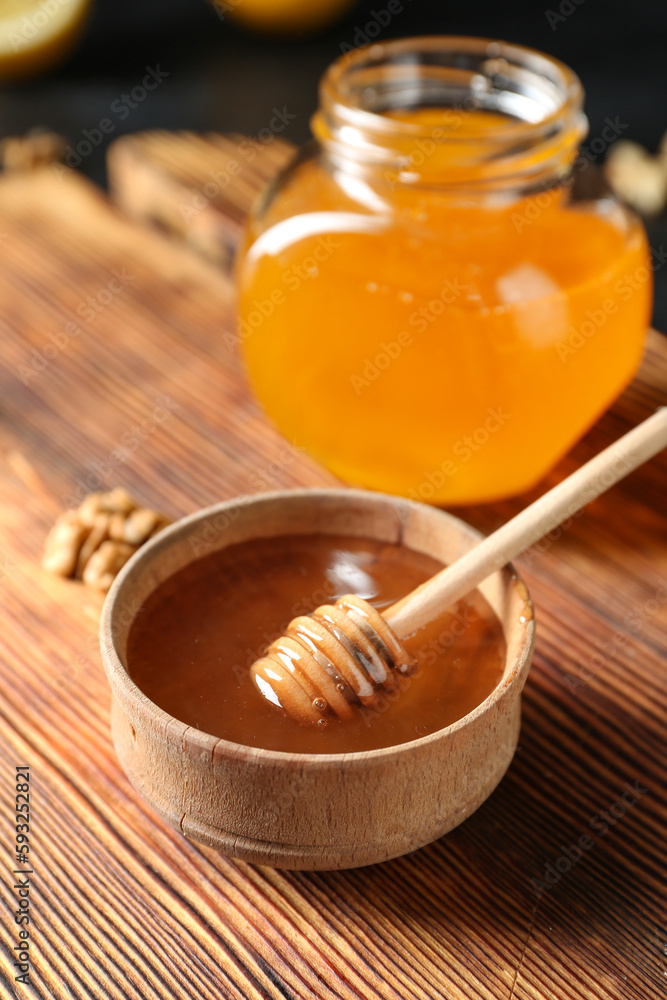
(539, 97)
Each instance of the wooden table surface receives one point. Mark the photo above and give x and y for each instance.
(137, 387)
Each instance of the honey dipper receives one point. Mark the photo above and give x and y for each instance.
(343, 653)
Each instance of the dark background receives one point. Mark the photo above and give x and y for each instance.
(226, 78)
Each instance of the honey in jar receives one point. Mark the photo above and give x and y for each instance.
(425, 306)
(192, 644)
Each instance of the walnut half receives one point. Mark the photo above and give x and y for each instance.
(93, 542)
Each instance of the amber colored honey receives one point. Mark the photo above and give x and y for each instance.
(445, 345)
(192, 643)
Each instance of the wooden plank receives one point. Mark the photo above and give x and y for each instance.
(197, 188)
(124, 907)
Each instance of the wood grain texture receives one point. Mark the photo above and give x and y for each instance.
(197, 188)
(530, 526)
(124, 906)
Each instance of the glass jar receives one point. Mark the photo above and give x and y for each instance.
(425, 306)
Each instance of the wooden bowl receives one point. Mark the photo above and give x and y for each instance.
(315, 811)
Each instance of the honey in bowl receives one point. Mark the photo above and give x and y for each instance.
(192, 644)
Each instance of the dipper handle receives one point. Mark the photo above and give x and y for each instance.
(448, 586)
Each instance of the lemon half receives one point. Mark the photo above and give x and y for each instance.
(35, 34)
(283, 16)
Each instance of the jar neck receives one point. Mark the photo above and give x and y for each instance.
(453, 113)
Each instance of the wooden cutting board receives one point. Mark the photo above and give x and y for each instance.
(197, 188)
(114, 371)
